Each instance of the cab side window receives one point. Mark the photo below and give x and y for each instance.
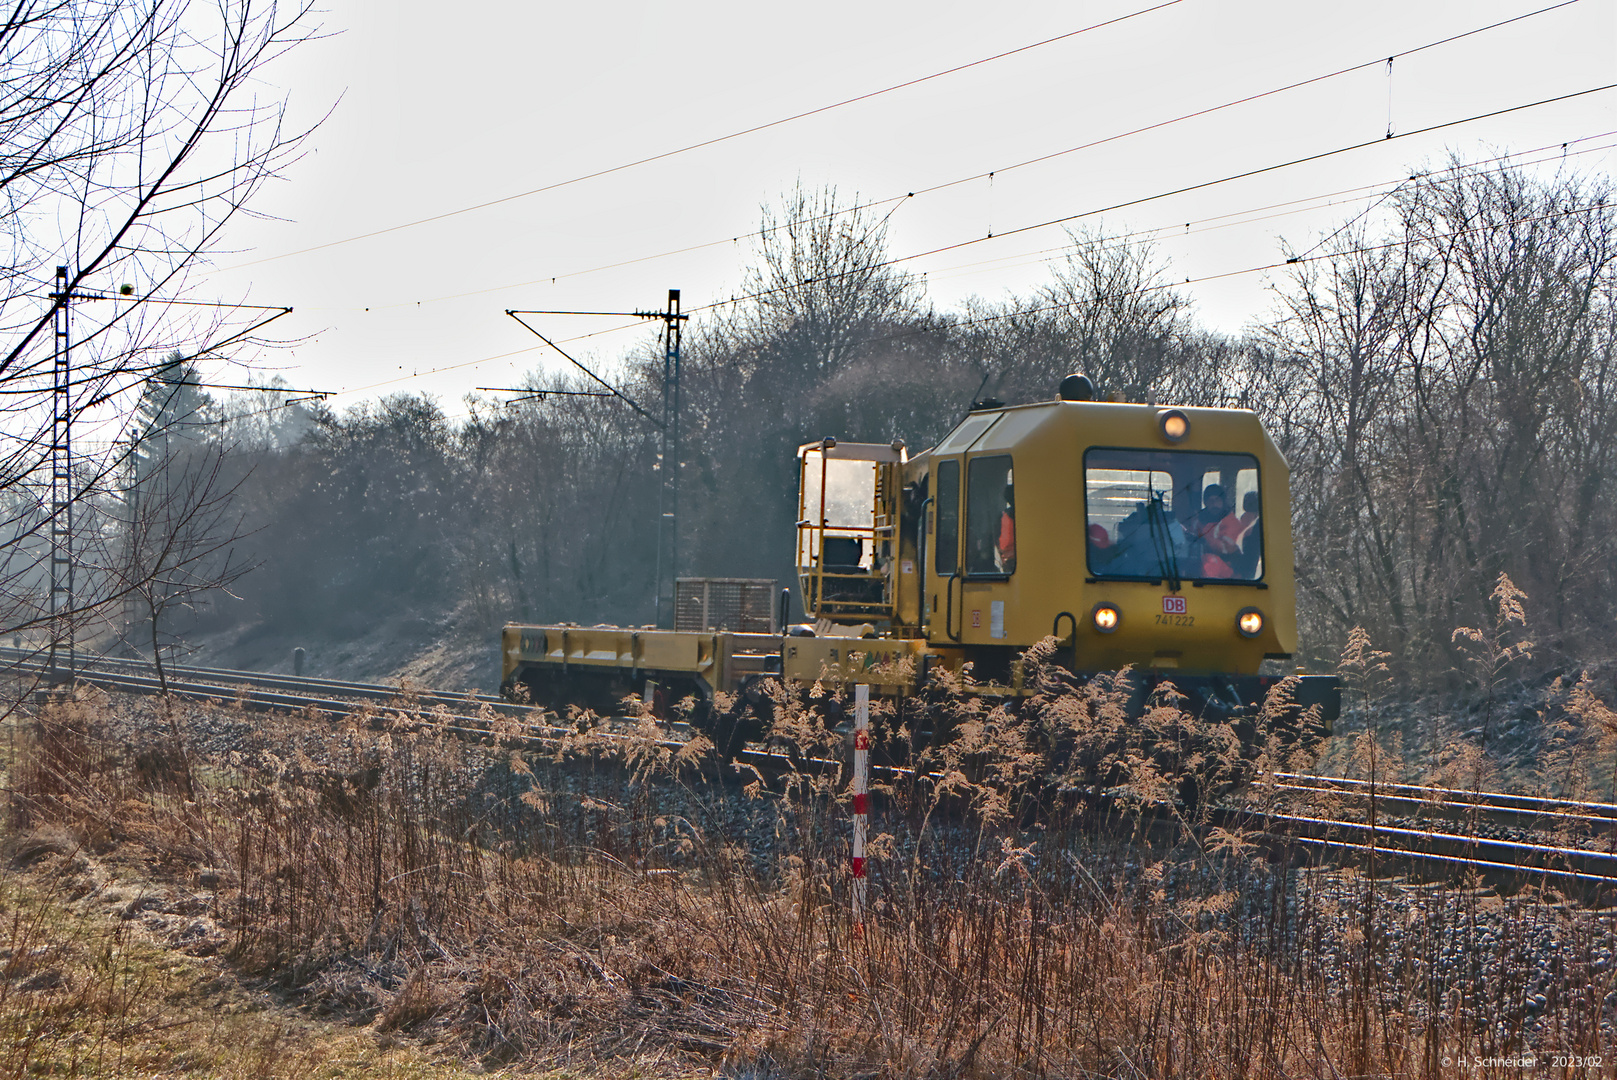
(990, 517)
(947, 559)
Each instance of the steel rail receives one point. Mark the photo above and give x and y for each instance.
(264, 699)
(535, 736)
(371, 691)
(1408, 805)
(1597, 865)
(1599, 885)
(1487, 800)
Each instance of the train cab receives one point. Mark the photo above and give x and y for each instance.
(1136, 533)
(1144, 536)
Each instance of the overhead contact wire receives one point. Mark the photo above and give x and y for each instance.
(1295, 260)
(726, 138)
(1248, 174)
(1292, 261)
(901, 199)
(733, 300)
(1244, 100)
(1283, 209)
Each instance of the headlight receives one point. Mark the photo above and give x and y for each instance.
(1106, 617)
(1175, 425)
(1249, 622)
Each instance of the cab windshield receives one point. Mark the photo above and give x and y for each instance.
(1173, 515)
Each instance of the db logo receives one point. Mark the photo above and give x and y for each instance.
(1173, 605)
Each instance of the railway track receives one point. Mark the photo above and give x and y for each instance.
(1385, 816)
(92, 668)
(466, 715)
(1586, 818)
(1435, 852)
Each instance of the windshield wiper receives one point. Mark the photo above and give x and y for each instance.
(1156, 516)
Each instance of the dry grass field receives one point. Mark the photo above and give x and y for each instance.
(203, 891)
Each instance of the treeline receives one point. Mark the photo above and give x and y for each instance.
(1442, 386)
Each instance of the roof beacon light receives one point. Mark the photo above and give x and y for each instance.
(1175, 425)
(1077, 387)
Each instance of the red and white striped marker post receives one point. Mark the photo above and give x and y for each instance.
(861, 796)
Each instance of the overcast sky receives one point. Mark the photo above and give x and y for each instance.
(433, 110)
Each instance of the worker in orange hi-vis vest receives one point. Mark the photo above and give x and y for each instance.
(1231, 531)
(1006, 550)
(1234, 540)
(1207, 526)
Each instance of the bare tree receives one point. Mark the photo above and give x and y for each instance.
(1117, 313)
(1107, 311)
(131, 133)
(181, 546)
(1445, 398)
(822, 285)
(1344, 322)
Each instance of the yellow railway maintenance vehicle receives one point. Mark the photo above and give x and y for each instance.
(1136, 534)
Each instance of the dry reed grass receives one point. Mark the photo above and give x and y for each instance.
(584, 907)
